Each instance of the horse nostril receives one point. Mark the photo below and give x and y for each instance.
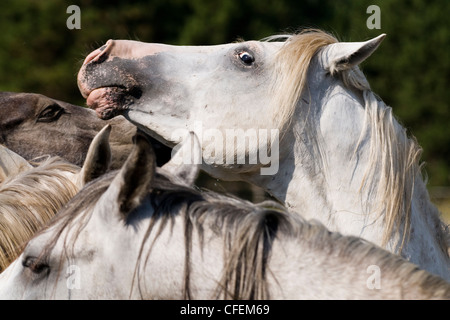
(100, 54)
(91, 56)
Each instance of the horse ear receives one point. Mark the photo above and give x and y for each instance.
(135, 177)
(11, 163)
(98, 157)
(342, 56)
(185, 160)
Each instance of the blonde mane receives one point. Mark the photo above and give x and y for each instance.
(290, 71)
(394, 157)
(29, 200)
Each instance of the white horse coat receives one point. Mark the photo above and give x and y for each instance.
(341, 156)
(141, 234)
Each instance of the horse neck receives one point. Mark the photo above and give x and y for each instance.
(348, 163)
(320, 171)
(357, 270)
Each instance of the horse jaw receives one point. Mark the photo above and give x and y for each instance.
(186, 157)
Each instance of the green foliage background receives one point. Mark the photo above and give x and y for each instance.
(410, 70)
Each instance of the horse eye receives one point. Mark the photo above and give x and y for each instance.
(246, 57)
(35, 265)
(50, 113)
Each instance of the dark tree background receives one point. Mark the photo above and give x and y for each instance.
(410, 70)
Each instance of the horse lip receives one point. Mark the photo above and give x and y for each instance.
(94, 94)
(102, 102)
(82, 85)
(110, 100)
(132, 91)
(84, 91)
(90, 100)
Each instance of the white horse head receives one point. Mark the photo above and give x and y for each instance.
(136, 234)
(337, 152)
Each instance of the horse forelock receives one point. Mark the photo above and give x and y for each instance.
(290, 69)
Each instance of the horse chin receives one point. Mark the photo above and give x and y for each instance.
(109, 102)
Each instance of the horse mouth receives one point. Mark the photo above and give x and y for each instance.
(111, 101)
